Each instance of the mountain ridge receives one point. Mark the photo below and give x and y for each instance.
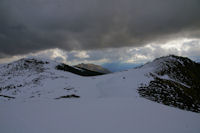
(93, 67)
(170, 80)
(176, 83)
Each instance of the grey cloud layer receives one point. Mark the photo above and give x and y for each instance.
(189, 48)
(33, 25)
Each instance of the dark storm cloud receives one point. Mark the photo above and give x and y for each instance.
(33, 25)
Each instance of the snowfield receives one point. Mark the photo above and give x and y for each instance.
(108, 115)
(107, 104)
(43, 81)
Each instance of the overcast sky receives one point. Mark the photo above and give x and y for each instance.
(99, 31)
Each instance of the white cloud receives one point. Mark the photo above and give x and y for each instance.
(183, 47)
(81, 54)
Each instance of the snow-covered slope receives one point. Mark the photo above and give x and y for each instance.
(107, 115)
(36, 97)
(34, 78)
(170, 80)
(39, 79)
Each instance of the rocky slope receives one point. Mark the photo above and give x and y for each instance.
(93, 67)
(79, 70)
(176, 82)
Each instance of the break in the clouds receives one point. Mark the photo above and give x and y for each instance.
(119, 56)
(34, 25)
(139, 55)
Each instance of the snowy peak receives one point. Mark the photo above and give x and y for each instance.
(176, 83)
(22, 66)
(178, 68)
(168, 61)
(34, 78)
(181, 69)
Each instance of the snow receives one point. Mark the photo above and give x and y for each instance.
(108, 115)
(52, 83)
(166, 77)
(107, 104)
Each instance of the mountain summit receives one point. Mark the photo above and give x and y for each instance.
(176, 82)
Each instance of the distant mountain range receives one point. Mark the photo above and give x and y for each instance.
(170, 80)
(119, 66)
